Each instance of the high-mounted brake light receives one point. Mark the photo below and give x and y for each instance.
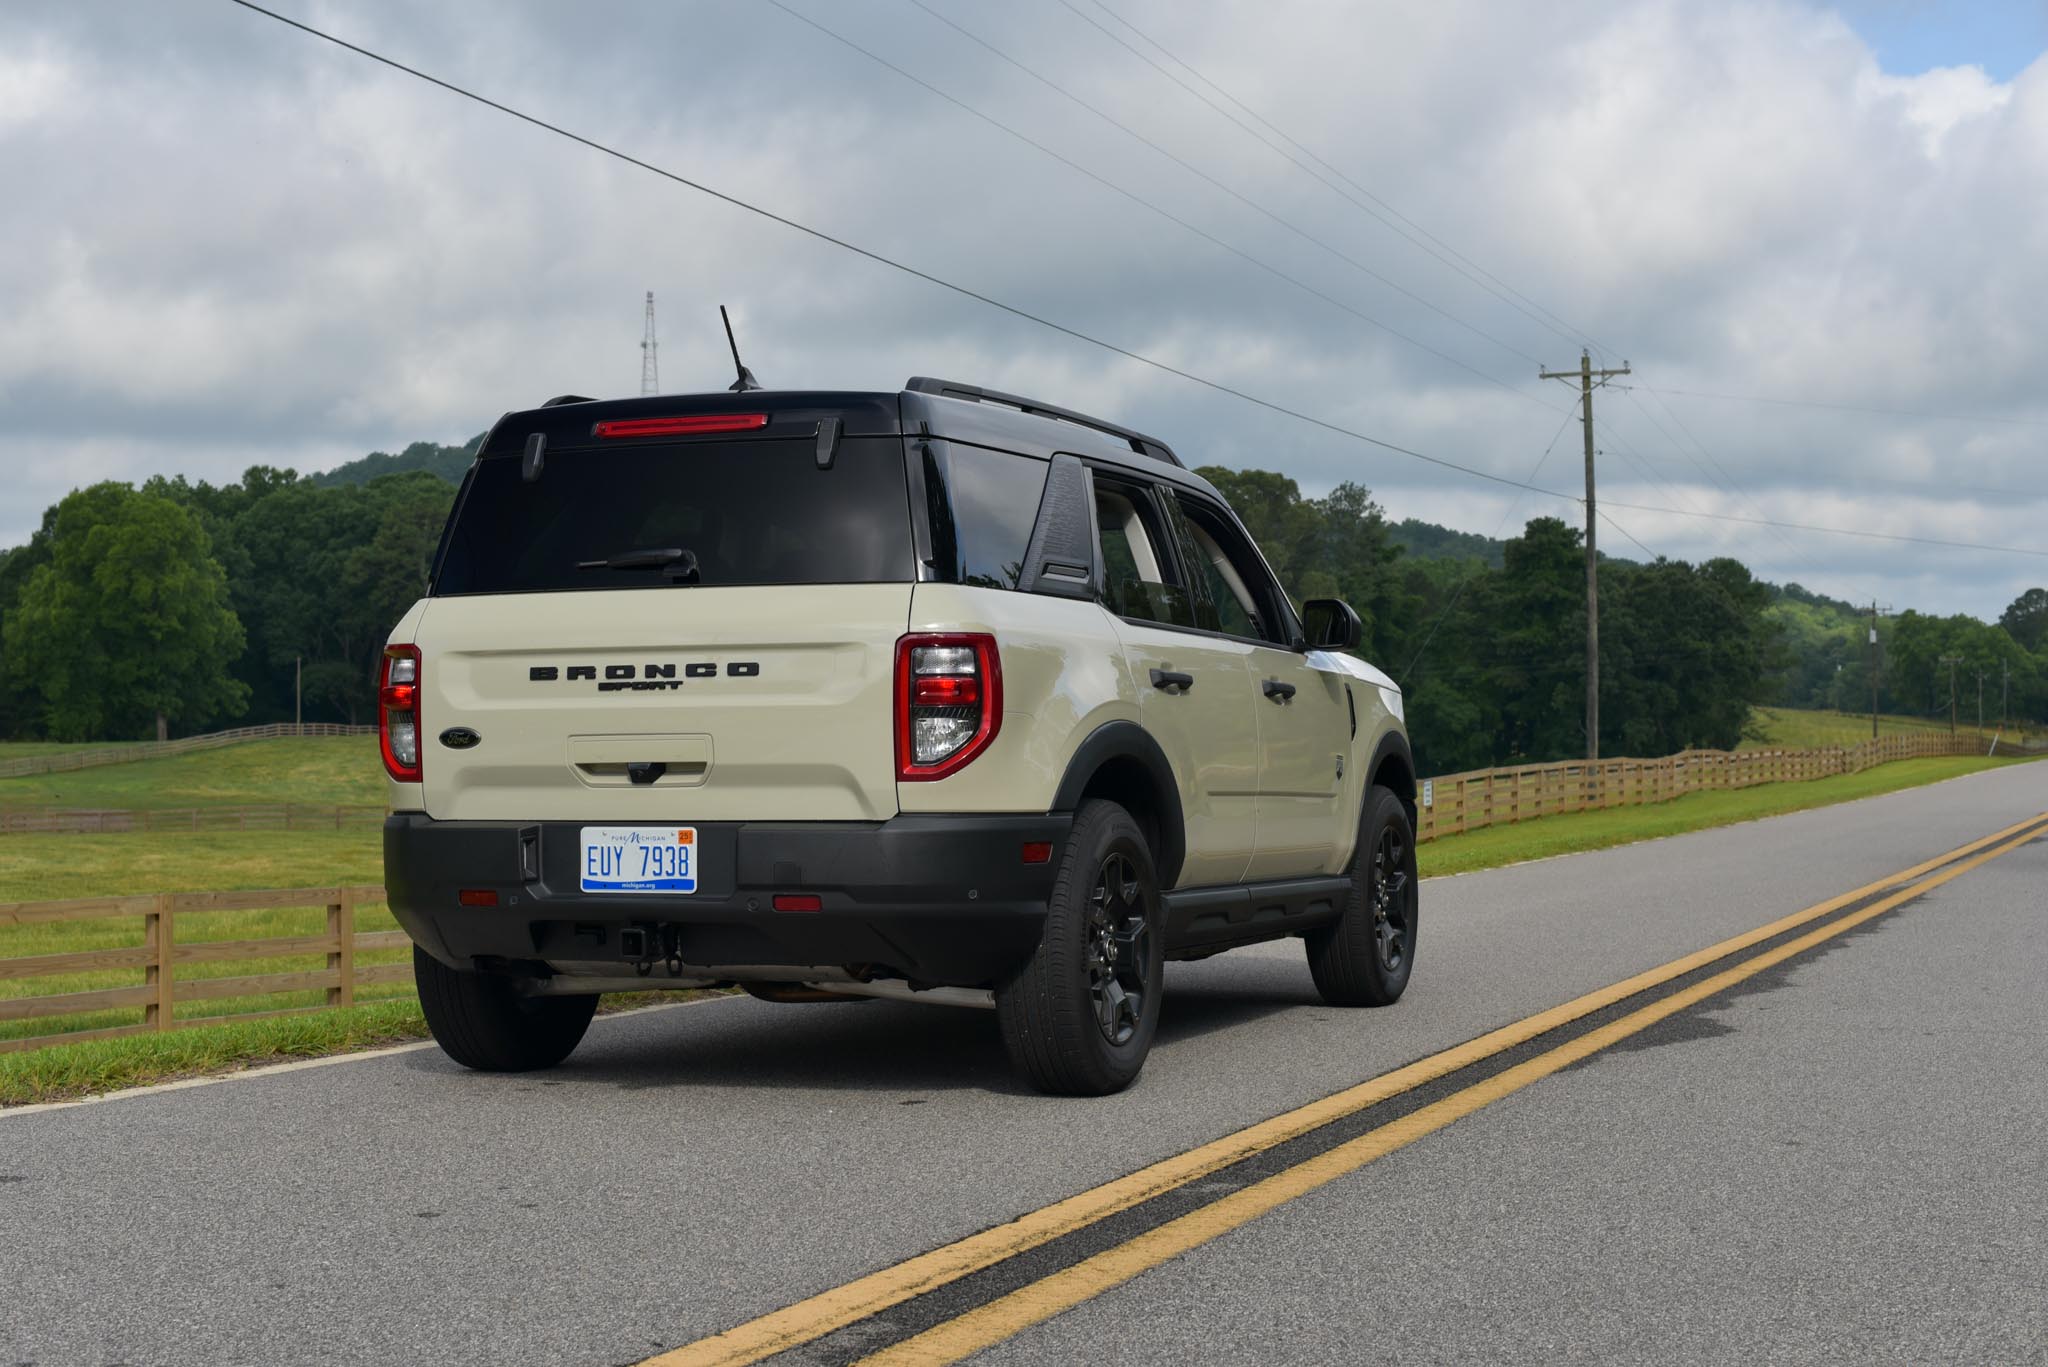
(949, 701)
(680, 426)
(398, 712)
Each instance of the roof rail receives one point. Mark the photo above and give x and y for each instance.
(1142, 444)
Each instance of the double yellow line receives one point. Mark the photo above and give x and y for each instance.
(812, 1319)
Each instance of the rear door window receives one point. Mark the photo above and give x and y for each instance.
(1141, 579)
(749, 512)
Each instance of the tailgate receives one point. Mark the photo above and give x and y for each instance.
(707, 703)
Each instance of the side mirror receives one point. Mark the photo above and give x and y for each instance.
(1330, 624)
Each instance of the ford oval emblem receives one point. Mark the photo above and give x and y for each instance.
(459, 738)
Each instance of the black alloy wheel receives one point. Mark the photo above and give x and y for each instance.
(1365, 956)
(1079, 1016)
(1119, 959)
(1387, 891)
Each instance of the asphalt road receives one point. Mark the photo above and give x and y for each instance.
(1842, 1159)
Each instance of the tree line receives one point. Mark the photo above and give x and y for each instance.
(181, 606)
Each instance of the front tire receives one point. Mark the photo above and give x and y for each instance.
(1366, 956)
(1079, 1018)
(483, 1022)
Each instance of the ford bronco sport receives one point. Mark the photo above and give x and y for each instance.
(943, 695)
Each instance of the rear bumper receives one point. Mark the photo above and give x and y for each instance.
(936, 899)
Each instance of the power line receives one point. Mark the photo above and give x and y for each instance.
(1198, 172)
(1568, 329)
(1856, 408)
(879, 259)
(1608, 518)
(1014, 311)
(1549, 322)
(1814, 527)
(1720, 475)
(1148, 205)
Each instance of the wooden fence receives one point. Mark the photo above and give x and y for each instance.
(160, 956)
(63, 761)
(1458, 803)
(285, 816)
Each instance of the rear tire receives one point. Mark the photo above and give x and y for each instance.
(1367, 955)
(1079, 1018)
(483, 1022)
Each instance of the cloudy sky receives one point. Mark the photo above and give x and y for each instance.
(1817, 232)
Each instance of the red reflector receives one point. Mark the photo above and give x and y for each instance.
(669, 427)
(477, 897)
(1038, 851)
(945, 690)
(798, 901)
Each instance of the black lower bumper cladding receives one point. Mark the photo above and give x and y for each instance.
(938, 899)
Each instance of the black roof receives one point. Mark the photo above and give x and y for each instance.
(943, 409)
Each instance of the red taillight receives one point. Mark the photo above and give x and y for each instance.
(398, 712)
(944, 691)
(949, 701)
(798, 901)
(681, 426)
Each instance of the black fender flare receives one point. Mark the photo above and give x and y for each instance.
(1126, 740)
(1393, 767)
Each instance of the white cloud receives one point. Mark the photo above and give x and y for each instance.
(245, 245)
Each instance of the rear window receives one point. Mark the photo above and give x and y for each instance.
(750, 512)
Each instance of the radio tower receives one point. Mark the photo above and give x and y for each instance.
(650, 368)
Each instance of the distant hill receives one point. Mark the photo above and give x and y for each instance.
(1428, 541)
(446, 461)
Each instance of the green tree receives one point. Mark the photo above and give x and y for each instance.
(128, 622)
(2026, 620)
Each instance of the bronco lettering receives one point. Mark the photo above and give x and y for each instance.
(648, 678)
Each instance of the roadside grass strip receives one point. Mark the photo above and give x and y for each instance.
(92, 1068)
(1547, 837)
(947, 1304)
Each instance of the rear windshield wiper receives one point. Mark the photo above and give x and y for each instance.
(679, 564)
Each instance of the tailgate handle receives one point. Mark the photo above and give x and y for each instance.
(666, 761)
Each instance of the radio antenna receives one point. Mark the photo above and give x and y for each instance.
(746, 381)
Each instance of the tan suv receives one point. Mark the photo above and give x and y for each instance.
(943, 695)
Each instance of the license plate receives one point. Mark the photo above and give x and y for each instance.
(639, 859)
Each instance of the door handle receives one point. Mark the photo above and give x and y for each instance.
(1276, 689)
(1169, 679)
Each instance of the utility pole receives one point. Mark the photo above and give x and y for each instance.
(2004, 692)
(1874, 610)
(650, 369)
(1589, 379)
(1951, 661)
(1980, 702)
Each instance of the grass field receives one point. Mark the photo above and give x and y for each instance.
(319, 771)
(1798, 729)
(323, 771)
